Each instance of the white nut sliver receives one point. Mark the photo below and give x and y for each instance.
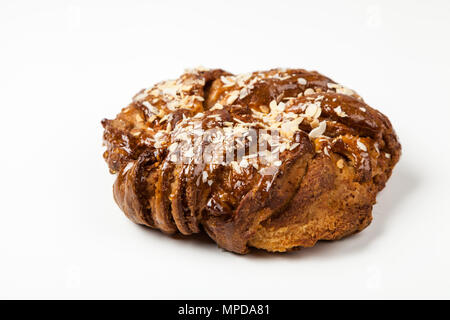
(320, 130)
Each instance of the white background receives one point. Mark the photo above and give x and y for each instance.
(64, 65)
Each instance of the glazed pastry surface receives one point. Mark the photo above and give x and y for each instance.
(275, 160)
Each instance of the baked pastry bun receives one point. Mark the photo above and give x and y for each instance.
(275, 160)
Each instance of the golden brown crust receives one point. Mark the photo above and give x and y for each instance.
(334, 154)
